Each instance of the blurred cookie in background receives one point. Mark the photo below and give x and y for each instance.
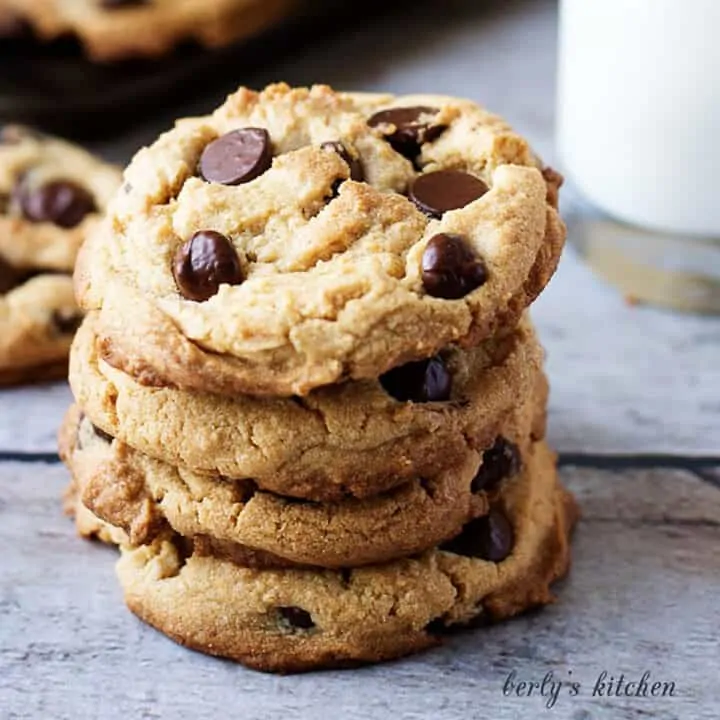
(118, 29)
(52, 195)
(149, 62)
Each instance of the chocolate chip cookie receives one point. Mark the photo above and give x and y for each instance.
(116, 29)
(288, 620)
(71, 436)
(354, 439)
(52, 195)
(129, 489)
(296, 238)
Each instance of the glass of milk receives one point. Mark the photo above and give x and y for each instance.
(639, 141)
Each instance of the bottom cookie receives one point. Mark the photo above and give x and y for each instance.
(291, 620)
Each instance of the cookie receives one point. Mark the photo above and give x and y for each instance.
(117, 29)
(130, 490)
(296, 238)
(52, 195)
(12, 25)
(354, 439)
(293, 620)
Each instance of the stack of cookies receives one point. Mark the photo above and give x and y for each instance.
(310, 405)
(52, 194)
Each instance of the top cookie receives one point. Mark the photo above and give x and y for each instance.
(299, 237)
(115, 29)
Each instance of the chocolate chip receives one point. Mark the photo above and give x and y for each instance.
(237, 157)
(61, 202)
(421, 381)
(438, 192)
(355, 165)
(490, 537)
(102, 434)
(500, 461)
(14, 134)
(205, 262)
(66, 323)
(296, 617)
(406, 132)
(450, 267)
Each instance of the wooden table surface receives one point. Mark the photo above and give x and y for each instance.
(635, 412)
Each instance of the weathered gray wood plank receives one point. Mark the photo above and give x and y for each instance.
(642, 596)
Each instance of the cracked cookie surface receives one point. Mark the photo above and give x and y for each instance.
(130, 490)
(354, 439)
(52, 195)
(296, 238)
(292, 620)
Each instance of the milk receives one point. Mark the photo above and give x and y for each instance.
(639, 110)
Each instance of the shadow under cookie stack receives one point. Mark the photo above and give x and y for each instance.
(310, 404)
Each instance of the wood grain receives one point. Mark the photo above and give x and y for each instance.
(646, 578)
(642, 596)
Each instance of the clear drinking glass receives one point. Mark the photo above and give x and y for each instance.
(639, 140)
